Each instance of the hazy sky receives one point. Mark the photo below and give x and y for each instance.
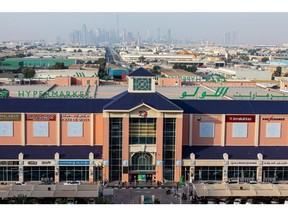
(252, 28)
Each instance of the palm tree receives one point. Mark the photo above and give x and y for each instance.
(20, 199)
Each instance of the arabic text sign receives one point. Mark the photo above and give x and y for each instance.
(10, 117)
(220, 92)
(75, 117)
(240, 118)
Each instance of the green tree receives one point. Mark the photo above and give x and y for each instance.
(101, 200)
(277, 72)
(264, 59)
(20, 199)
(79, 50)
(141, 59)
(192, 68)
(58, 65)
(28, 72)
(286, 75)
(244, 57)
(89, 62)
(132, 65)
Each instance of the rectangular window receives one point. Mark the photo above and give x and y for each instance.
(239, 130)
(75, 129)
(88, 82)
(142, 84)
(273, 130)
(207, 129)
(40, 129)
(142, 131)
(6, 129)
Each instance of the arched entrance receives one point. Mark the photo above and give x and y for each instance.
(142, 167)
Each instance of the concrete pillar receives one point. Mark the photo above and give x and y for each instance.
(58, 119)
(125, 146)
(91, 167)
(23, 127)
(225, 167)
(192, 168)
(257, 127)
(21, 167)
(106, 147)
(57, 170)
(223, 131)
(159, 149)
(259, 168)
(178, 149)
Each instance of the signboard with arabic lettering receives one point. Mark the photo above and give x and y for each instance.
(220, 92)
(10, 117)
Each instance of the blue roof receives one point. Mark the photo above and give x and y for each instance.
(48, 152)
(127, 101)
(48, 105)
(235, 152)
(141, 72)
(232, 106)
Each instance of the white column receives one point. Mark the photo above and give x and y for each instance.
(257, 123)
(190, 129)
(223, 130)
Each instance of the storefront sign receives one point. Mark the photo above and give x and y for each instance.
(38, 162)
(275, 163)
(5, 163)
(273, 119)
(75, 117)
(40, 117)
(74, 163)
(231, 163)
(240, 118)
(10, 117)
(53, 94)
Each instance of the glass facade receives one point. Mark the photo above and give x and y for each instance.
(142, 161)
(274, 174)
(98, 173)
(169, 129)
(115, 149)
(142, 84)
(205, 173)
(39, 173)
(242, 173)
(9, 173)
(185, 173)
(74, 173)
(142, 131)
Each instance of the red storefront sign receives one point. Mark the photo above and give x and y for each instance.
(240, 118)
(40, 117)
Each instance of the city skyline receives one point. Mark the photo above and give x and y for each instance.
(218, 28)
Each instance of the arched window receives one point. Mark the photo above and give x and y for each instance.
(142, 161)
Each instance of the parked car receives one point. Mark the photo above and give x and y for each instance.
(233, 182)
(72, 183)
(91, 201)
(237, 201)
(253, 182)
(20, 183)
(210, 182)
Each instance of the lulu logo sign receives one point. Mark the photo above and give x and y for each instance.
(143, 113)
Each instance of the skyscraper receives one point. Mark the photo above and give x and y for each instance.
(234, 37)
(84, 34)
(227, 38)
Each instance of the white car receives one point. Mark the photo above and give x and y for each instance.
(72, 183)
(20, 183)
(253, 182)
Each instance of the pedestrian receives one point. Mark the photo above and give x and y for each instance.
(177, 187)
